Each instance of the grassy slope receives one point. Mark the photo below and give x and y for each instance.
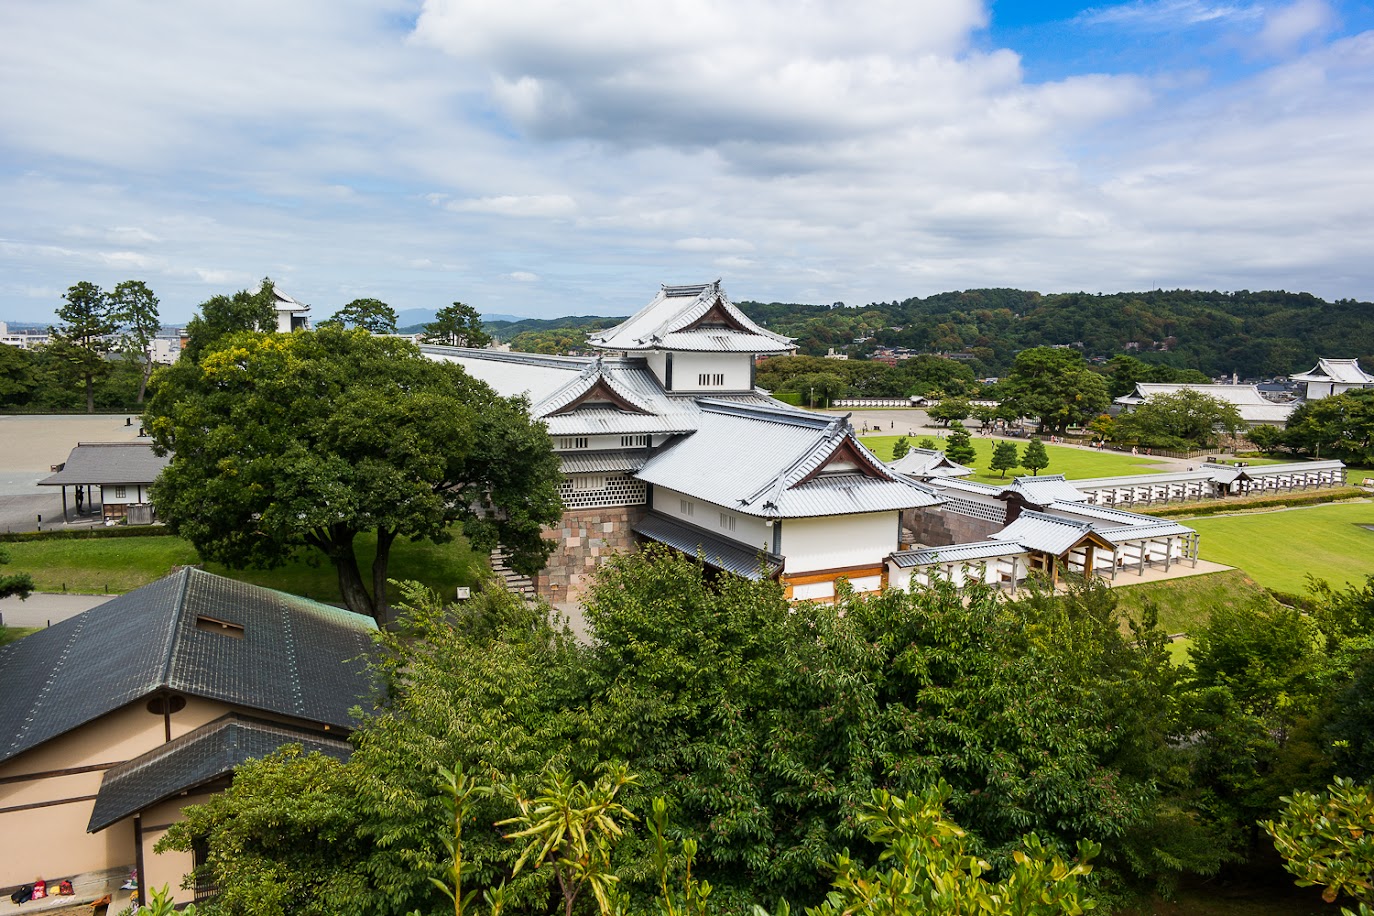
(1074, 463)
(1185, 604)
(1280, 549)
(119, 565)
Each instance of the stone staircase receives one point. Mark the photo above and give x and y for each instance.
(520, 584)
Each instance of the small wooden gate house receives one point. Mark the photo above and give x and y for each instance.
(123, 471)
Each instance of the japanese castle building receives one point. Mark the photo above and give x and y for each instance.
(664, 437)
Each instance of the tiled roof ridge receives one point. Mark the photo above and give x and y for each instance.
(596, 371)
(510, 356)
(785, 414)
(174, 631)
(53, 674)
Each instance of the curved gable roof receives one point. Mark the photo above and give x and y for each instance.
(697, 317)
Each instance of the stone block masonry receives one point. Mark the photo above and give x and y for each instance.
(586, 538)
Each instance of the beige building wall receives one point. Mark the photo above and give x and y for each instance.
(48, 793)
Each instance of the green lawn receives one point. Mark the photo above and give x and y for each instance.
(118, 565)
(1280, 549)
(1074, 463)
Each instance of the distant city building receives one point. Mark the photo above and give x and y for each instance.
(24, 340)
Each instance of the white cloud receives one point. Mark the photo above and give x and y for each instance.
(855, 151)
(702, 244)
(531, 205)
(1289, 25)
(1169, 14)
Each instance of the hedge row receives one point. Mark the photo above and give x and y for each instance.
(1277, 501)
(67, 534)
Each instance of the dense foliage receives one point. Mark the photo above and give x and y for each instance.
(1255, 334)
(304, 440)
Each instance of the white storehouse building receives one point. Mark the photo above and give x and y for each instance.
(1333, 376)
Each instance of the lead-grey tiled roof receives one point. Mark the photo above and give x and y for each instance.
(710, 548)
(1344, 371)
(197, 758)
(666, 324)
(1046, 533)
(754, 460)
(1045, 489)
(610, 461)
(927, 462)
(98, 463)
(957, 553)
(296, 658)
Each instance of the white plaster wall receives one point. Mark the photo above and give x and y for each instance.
(749, 530)
(658, 361)
(133, 493)
(836, 541)
(688, 366)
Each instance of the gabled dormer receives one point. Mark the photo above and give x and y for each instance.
(695, 340)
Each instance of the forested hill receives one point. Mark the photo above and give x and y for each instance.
(1254, 334)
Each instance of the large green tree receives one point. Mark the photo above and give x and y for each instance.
(457, 325)
(283, 442)
(221, 316)
(1341, 426)
(372, 315)
(135, 312)
(83, 335)
(1184, 419)
(1055, 386)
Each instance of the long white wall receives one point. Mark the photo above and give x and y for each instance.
(748, 529)
(836, 541)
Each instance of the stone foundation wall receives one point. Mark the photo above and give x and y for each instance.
(586, 538)
(940, 529)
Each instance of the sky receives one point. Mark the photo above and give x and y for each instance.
(565, 157)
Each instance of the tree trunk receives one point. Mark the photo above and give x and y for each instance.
(143, 382)
(351, 585)
(381, 607)
(90, 393)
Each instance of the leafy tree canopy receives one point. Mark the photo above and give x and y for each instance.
(959, 446)
(457, 325)
(221, 316)
(1341, 426)
(372, 315)
(1035, 457)
(283, 442)
(86, 321)
(1184, 419)
(134, 308)
(1056, 387)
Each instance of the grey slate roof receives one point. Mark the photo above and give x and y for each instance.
(296, 658)
(709, 547)
(109, 463)
(199, 757)
(756, 460)
(669, 322)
